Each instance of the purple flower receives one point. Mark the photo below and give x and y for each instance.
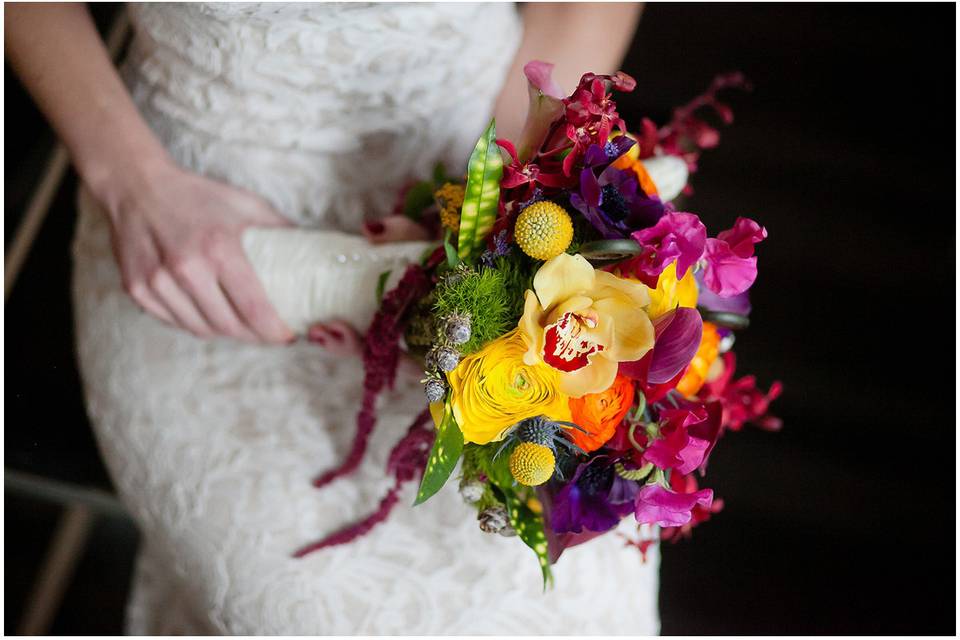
(500, 248)
(656, 505)
(676, 236)
(595, 499)
(731, 267)
(613, 201)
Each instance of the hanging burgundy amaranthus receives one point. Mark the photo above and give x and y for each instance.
(381, 355)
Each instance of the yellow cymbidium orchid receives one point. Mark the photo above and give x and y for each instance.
(672, 293)
(582, 322)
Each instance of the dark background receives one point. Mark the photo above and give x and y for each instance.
(843, 522)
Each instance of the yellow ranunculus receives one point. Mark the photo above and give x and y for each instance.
(671, 293)
(583, 322)
(494, 389)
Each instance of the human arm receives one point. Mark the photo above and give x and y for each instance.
(176, 235)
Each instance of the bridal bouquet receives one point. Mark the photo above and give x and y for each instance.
(575, 328)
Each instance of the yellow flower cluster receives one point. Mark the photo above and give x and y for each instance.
(449, 198)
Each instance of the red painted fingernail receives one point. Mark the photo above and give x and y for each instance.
(376, 228)
(336, 334)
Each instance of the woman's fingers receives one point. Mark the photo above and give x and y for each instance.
(394, 229)
(337, 337)
(179, 304)
(245, 292)
(135, 265)
(201, 283)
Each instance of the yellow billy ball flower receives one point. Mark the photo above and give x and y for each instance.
(493, 389)
(543, 230)
(532, 464)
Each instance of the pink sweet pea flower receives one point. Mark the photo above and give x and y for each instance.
(676, 236)
(698, 515)
(656, 505)
(731, 267)
(687, 437)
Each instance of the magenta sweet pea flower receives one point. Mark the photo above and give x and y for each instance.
(656, 505)
(676, 236)
(731, 267)
(688, 435)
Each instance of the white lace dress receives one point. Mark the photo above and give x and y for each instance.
(325, 110)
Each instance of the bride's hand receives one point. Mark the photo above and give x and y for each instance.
(177, 239)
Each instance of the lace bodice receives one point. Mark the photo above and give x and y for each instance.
(325, 110)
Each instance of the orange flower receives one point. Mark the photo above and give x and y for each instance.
(703, 359)
(600, 413)
(646, 182)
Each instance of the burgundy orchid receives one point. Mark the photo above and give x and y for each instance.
(590, 114)
(527, 174)
(742, 401)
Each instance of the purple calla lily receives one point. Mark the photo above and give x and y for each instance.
(677, 338)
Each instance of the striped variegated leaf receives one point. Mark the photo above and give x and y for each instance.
(482, 194)
(529, 527)
(446, 451)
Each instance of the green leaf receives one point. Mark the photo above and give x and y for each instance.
(446, 451)
(529, 527)
(498, 470)
(381, 285)
(452, 258)
(482, 194)
(419, 197)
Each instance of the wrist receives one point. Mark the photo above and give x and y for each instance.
(121, 179)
